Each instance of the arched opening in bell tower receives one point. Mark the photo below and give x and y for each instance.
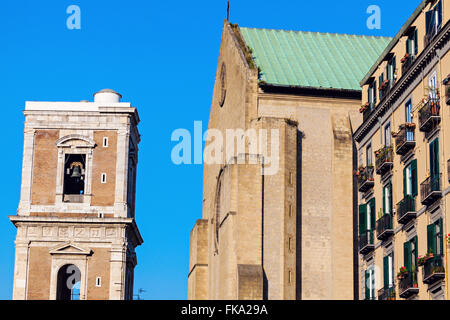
(68, 283)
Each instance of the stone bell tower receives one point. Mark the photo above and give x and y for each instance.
(76, 229)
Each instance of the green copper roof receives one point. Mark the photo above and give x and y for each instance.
(311, 59)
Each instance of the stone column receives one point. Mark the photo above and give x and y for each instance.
(20, 270)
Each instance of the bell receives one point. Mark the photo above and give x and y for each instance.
(76, 172)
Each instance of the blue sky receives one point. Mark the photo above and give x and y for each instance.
(162, 56)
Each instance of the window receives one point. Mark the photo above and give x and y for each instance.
(388, 271)
(290, 210)
(387, 135)
(433, 20)
(370, 283)
(390, 69)
(435, 238)
(433, 86)
(380, 81)
(387, 199)
(100, 215)
(412, 47)
(372, 94)
(74, 170)
(367, 217)
(105, 142)
(410, 257)
(98, 282)
(103, 177)
(369, 155)
(410, 179)
(434, 160)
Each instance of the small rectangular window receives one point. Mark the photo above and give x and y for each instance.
(100, 215)
(103, 177)
(98, 282)
(105, 142)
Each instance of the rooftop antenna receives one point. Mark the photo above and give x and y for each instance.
(228, 11)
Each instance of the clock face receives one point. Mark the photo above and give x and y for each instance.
(223, 85)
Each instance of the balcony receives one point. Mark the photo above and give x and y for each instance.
(406, 210)
(366, 243)
(430, 189)
(368, 111)
(365, 178)
(384, 227)
(385, 88)
(405, 139)
(429, 115)
(408, 285)
(407, 62)
(386, 293)
(433, 270)
(434, 30)
(385, 160)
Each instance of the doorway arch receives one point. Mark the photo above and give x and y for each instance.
(68, 283)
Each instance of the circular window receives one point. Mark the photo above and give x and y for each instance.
(223, 85)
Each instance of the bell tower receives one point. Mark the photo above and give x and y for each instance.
(76, 228)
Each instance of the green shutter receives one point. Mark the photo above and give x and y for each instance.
(429, 20)
(436, 156)
(362, 218)
(416, 244)
(407, 255)
(372, 213)
(367, 277)
(375, 92)
(414, 178)
(404, 182)
(391, 207)
(384, 199)
(431, 238)
(386, 271)
(416, 44)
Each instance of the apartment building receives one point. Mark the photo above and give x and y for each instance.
(403, 155)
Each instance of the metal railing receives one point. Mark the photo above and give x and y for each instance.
(406, 209)
(384, 224)
(433, 269)
(366, 239)
(386, 293)
(408, 63)
(408, 285)
(431, 185)
(368, 111)
(365, 179)
(385, 155)
(429, 112)
(405, 138)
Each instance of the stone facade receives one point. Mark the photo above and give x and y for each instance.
(92, 230)
(287, 234)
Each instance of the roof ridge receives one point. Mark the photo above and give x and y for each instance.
(318, 32)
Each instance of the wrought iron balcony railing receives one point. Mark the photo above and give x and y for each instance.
(385, 160)
(368, 111)
(366, 242)
(385, 227)
(431, 33)
(409, 60)
(365, 178)
(433, 270)
(406, 209)
(408, 285)
(430, 189)
(386, 293)
(429, 115)
(405, 139)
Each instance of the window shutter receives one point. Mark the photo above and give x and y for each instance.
(375, 92)
(407, 255)
(416, 245)
(367, 277)
(431, 238)
(384, 199)
(438, 9)
(429, 20)
(372, 213)
(416, 43)
(391, 209)
(362, 218)
(404, 182)
(386, 271)
(436, 156)
(369, 94)
(414, 178)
